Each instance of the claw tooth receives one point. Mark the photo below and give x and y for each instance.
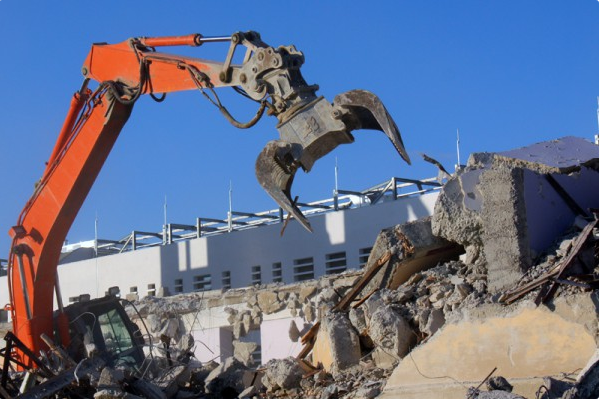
(275, 169)
(370, 113)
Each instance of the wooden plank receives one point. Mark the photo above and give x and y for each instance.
(345, 303)
(555, 273)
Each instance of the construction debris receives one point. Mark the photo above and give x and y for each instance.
(503, 277)
(512, 205)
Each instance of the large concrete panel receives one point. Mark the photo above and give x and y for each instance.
(524, 346)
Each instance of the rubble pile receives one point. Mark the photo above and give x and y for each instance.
(495, 296)
(365, 342)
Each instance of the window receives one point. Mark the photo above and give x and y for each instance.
(226, 280)
(364, 256)
(151, 290)
(256, 275)
(303, 269)
(178, 285)
(202, 282)
(133, 290)
(115, 333)
(256, 355)
(277, 272)
(335, 263)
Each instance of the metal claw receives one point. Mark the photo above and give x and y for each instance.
(275, 169)
(311, 131)
(366, 111)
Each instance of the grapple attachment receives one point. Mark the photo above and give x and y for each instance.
(312, 131)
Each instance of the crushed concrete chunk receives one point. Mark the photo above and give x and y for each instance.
(358, 319)
(171, 379)
(227, 377)
(499, 383)
(391, 332)
(306, 292)
(434, 322)
(383, 359)
(496, 395)
(308, 313)
(111, 378)
(269, 302)
(337, 345)
(243, 351)
(282, 374)
(413, 248)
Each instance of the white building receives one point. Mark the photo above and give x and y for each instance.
(243, 250)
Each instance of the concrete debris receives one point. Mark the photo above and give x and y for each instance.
(413, 248)
(172, 379)
(269, 302)
(435, 320)
(306, 293)
(226, 380)
(504, 276)
(516, 203)
(498, 383)
(389, 331)
(337, 345)
(243, 352)
(282, 374)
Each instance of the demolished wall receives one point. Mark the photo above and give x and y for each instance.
(512, 205)
(516, 341)
(422, 321)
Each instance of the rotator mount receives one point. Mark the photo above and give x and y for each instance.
(313, 131)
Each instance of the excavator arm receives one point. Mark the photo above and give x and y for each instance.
(309, 128)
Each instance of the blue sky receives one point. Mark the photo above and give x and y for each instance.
(506, 73)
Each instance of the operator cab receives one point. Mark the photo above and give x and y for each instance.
(101, 327)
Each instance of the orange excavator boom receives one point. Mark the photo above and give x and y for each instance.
(309, 128)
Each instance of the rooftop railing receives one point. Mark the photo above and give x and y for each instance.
(394, 189)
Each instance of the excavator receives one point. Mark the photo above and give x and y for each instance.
(309, 127)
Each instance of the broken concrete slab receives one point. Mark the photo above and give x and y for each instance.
(514, 204)
(306, 292)
(413, 248)
(383, 359)
(358, 319)
(172, 378)
(337, 346)
(110, 378)
(269, 302)
(227, 377)
(516, 342)
(282, 374)
(579, 309)
(389, 331)
(243, 351)
(434, 322)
